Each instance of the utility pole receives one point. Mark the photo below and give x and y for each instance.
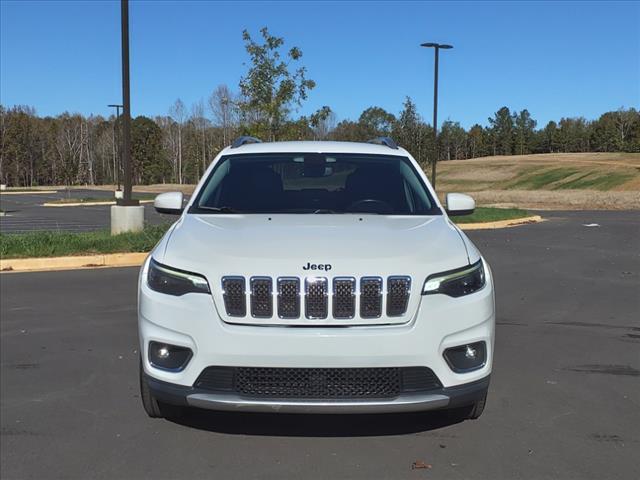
(127, 200)
(436, 47)
(116, 151)
(127, 215)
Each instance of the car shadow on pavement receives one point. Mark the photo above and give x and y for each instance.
(301, 425)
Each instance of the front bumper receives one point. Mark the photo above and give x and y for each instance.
(439, 322)
(447, 397)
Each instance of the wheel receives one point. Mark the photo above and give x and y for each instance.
(477, 408)
(149, 402)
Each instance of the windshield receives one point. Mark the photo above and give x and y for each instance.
(315, 183)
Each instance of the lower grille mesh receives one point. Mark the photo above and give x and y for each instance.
(318, 383)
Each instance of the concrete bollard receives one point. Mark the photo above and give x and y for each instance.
(126, 219)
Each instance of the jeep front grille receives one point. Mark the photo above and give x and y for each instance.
(370, 297)
(316, 298)
(233, 291)
(261, 297)
(342, 296)
(288, 297)
(398, 290)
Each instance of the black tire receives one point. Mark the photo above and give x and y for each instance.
(149, 402)
(477, 408)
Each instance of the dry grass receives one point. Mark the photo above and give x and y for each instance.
(548, 181)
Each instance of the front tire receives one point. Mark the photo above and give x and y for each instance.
(149, 402)
(477, 408)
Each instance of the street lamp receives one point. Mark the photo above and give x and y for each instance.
(126, 109)
(436, 47)
(127, 215)
(116, 165)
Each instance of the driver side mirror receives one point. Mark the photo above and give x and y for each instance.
(459, 204)
(170, 202)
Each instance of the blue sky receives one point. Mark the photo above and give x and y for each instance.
(554, 58)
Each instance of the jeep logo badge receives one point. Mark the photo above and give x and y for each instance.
(317, 266)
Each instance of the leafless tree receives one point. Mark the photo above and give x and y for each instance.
(223, 105)
(198, 118)
(177, 113)
(624, 122)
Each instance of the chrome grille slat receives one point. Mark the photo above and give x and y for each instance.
(233, 292)
(288, 297)
(398, 292)
(261, 297)
(316, 298)
(370, 297)
(374, 300)
(344, 297)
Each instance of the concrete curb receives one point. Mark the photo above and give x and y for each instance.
(136, 259)
(501, 223)
(32, 192)
(86, 204)
(72, 263)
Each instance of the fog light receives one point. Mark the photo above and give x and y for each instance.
(466, 358)
(169, 357)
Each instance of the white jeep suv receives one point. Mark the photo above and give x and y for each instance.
(315, 277)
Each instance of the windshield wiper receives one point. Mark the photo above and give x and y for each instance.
(218, 209)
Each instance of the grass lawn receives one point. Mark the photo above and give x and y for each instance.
(490, 214)
(62, 201)
(60, 244)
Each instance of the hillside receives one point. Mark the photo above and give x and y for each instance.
(548, 181)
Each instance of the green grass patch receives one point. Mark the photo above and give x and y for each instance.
(536, 181)
(491, 214)
(595, 181)
(62, 201)
(60, 244)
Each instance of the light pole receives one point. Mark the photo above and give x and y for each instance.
(436, 47)
(116, 164)
(126, 109)
(127, 215)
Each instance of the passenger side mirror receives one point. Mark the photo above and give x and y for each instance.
(170, 202)
(460, 204)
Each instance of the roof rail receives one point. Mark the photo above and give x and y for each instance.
(387, 141)
(244, 140)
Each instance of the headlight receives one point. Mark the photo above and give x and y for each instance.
(174, 282)
(456, 283)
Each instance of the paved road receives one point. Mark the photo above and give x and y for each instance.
(564, 400)
(25, 212)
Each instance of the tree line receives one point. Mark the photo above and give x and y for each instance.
(72, 149)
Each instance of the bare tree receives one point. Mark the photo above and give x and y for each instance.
(624, 122)
(197, 114)
(177, 114)
(223, 105)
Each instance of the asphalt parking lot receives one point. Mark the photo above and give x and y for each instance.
(564, 400)
(25, 212)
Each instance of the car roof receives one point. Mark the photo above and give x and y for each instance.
(315, 147)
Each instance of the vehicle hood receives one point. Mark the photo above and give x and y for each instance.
(282, 245)
(218, 245)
